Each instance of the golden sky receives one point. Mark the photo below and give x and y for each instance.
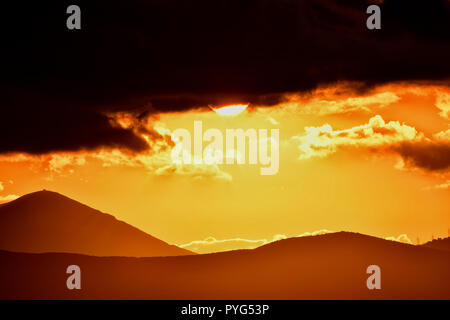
(374, 163)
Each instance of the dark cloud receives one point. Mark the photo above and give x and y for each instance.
(40, 130)
(428, 156)
(56, 85)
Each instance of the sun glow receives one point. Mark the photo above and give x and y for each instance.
(230, 110)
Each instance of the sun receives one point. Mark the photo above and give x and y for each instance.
(230, 110)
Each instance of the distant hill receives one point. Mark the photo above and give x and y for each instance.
(441, 244)
(331, 266)
(49, 222)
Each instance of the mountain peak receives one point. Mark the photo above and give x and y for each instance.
(42, 195)
(45, 193)
(46, 221)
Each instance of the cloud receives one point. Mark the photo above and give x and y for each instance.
(157, 162)
(441, 186)
(401, 238)
(195, 171)
(9, 197)
(443, 103)
(212, 244)
(315, 233)
(442, 136)
(324, 140)
(272, 121)
(42, 130)
(416, 150)
(58, 162)
(337, 100)
(431, 156)
(148, 57)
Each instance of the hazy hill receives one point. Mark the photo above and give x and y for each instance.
(331, 266)
(49, 222)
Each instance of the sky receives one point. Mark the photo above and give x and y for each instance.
(362, 163)
(363, 116)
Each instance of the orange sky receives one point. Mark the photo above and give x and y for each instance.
(340, 168)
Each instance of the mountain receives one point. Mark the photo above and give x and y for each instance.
(46, 221)
(441, 244)
(331, 266)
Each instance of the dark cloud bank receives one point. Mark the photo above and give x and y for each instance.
(56, 85)
(428, 156)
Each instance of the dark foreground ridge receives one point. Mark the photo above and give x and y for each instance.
(441, 244)
(331, 266)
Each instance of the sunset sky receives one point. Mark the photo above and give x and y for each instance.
(364, 133)
(378, 178)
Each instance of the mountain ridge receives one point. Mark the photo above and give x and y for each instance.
(46, 221)
(331, 266)
(440, 244)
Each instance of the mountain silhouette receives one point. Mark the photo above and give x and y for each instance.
(47, 221)
(441, 244)
(331, 266)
